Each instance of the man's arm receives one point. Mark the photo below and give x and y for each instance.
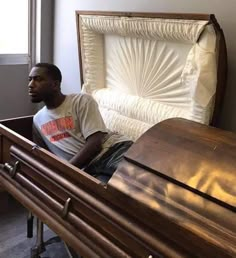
(91, 148)
(37, 138)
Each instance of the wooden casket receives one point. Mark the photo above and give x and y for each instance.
(173, 195)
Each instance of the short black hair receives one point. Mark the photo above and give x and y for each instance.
(52, 70)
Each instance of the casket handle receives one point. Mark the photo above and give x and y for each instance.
(12, 169)
(66, 208)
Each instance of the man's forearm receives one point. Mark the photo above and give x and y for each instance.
(37, 138)
(89, 151)
(91, 148)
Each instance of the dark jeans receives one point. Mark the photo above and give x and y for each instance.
(104, 167)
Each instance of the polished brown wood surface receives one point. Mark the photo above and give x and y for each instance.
(185, 171)
(191, 154)
(185, 16)
(160, 202)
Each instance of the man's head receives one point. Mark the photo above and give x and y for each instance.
(44, 82)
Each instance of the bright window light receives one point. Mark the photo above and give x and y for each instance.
(13, 26)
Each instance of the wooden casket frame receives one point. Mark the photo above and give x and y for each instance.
(172, 196)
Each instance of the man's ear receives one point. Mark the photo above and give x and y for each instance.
(56, 84)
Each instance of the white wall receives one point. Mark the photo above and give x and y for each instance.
(65, 38)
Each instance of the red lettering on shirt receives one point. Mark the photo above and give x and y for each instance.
(59, 137)
(58, 125)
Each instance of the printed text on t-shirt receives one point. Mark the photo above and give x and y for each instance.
(58, 125)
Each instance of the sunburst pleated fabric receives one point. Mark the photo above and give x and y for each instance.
(142, 71)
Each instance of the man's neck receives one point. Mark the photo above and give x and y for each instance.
(55, 102)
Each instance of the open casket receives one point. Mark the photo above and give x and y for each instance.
(145, 68)
(173, 195)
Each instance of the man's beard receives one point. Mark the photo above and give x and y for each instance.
(35, 99)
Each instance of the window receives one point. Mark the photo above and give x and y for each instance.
(14, 26)
(14, 31)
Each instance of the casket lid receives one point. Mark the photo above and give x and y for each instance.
(161, 65)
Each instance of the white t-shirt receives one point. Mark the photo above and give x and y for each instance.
(65, 128)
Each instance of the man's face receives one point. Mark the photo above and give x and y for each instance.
(41, 86)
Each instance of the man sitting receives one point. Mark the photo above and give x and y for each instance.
(71, 126)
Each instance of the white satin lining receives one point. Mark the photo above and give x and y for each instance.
(187, 31)
(143, 71)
